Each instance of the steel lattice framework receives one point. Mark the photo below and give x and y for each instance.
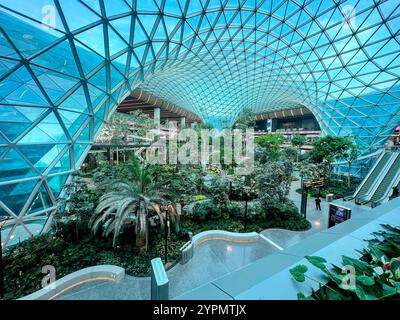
(65, 65)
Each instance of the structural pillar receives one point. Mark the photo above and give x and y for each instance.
(157, 116)
(183, 122)
(272, 125)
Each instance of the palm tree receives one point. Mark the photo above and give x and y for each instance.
(131, 202)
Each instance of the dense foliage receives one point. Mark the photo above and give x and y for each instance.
(376, 274)
(120, 124)
(330, 148)
(74, 247)
(113, 197)
(285, 216)
(271, 147)
(182, 181)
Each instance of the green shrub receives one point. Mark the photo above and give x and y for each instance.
(201, 211)
(208, 210)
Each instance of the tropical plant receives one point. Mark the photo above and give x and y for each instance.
(130, 202)
(314, 170)
(181, 180)
(219, 190)
(76, 203)
(375, 276)
(291, 154)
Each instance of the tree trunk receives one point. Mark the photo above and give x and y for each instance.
(140, 240)
(141, 229)
(349, 176)
(147, 235)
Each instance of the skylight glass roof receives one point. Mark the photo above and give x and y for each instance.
(65, 65)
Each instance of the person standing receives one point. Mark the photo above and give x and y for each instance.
(318, 204)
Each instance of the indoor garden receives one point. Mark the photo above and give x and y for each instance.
(114, 211)
(219, 143)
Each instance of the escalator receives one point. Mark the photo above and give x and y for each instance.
(369, 181)
(384, 190)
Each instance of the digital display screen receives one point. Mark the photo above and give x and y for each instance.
(338, 215)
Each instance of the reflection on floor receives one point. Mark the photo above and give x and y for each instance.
(211, 261)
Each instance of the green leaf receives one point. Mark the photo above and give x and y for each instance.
(388, 291)
(301, 296)
(395, 264)
(397, 285)
(366, 281)
(333, 295)
(298, 272)
(317, 262)
(360, 266)
(363, 295)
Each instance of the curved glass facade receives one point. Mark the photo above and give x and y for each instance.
(65, 65)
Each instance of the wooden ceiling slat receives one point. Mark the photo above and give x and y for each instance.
(140, 100)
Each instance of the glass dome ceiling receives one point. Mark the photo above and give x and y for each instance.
(65, 65)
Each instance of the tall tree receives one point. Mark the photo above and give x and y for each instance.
(271, 144)
(350, 157)
(330, 149)
(247, 119)
(273, 184)
(298, 141)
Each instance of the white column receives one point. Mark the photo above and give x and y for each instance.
(183, 122)
(157, 116)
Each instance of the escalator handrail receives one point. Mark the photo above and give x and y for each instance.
(369, 174)
(395, 181)
(371, 191)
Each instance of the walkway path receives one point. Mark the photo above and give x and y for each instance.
(318, 219)
(212, 259)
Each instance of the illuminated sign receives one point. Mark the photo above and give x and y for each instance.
(315, 183)
(338, 214)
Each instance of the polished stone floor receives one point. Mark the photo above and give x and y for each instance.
(212, 259)
(318, 219)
